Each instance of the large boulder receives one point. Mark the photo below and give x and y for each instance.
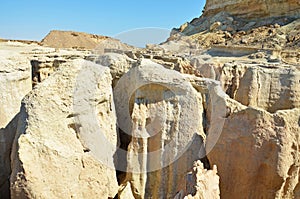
(58, 151)
(160, 119)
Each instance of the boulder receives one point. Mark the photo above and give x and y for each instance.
(154, 106)
(66, 136)
(118, 64)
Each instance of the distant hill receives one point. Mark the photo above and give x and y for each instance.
(78, 40)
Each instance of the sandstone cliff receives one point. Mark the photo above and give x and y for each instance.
(253, 9)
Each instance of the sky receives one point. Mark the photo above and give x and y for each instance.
(33, 19)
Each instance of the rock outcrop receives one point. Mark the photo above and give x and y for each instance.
(258, 153)
(253, 9)
(45, 61)
(15, 77)
(63, 125)
(270, 87)
(15, 83)
(154, 109)
(222, 92)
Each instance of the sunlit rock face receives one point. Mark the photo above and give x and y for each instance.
(253, 8)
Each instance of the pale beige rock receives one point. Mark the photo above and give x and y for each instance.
(54, 153)
(118, 64)
(215, 26)
(207, 70)
(125, 192)
(272, 88)
(15, 83)
(45, 61)
(204, 184)
(155, 106)
(257, 153)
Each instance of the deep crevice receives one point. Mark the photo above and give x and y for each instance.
(121, 156)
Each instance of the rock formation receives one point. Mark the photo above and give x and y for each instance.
(15, 83)
(253, 9)
(164, 140)
(258, 154)
(101, 119)
(203, 184)
(270, 88)
(58, 141)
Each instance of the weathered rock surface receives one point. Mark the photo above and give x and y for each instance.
(15, 83)
(15, 77)
(154, 108)
(258, 153)
(54, 153)
(118, 64)
(45, 61)
(270, 87)
(203, 184)
(67, 143)
(253, 9)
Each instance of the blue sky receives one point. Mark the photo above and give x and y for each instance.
(33, 19)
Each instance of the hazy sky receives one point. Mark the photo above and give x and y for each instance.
(29, 19)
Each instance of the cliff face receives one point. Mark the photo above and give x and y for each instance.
(253, 8)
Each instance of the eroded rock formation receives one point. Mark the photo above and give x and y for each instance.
(56, 151)
(258, 154)
(222, 90)
(164, 140)
(272, 88)
(203, 184)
